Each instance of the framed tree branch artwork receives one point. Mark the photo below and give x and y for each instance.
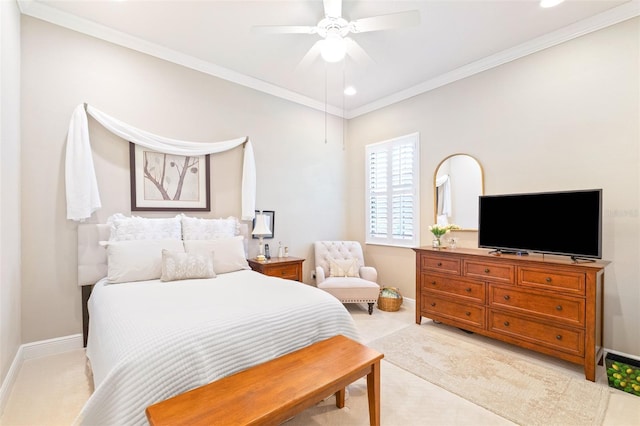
(167, 182)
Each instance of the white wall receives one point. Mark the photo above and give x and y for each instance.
(299, 176)
(564, 118)
(10, 324)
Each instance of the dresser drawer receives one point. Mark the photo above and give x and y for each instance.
(490, 271)
(552, 336)
(461, 312)
(472, 291)
(570, 282)
(441, 264)
(569, 310)
(288, 272)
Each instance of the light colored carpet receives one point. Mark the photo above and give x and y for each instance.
(500, 381)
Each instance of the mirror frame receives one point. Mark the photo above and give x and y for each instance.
(435, 176)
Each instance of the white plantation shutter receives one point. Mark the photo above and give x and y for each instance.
(392, 192)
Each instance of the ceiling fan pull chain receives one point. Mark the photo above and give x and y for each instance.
(325, 103)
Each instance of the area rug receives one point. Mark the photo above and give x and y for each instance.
(498, 380)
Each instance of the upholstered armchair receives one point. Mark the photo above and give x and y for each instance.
(340, 271)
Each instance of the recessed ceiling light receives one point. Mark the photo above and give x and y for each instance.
(350, 91)
(550, 3)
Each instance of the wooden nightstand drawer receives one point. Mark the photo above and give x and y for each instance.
(289, 272)
(288, 268)
(570, 282)
(490, 271)
(569, 310)
(540, 333)
(472, 291)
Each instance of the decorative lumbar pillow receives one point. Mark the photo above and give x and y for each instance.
(184, 266)
(343, 267)
(137, 260)
(194, 228)
(125, 228)
(229, 253)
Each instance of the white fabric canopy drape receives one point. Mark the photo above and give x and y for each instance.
(83, 197)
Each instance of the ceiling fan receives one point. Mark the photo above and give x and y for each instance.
(333, 30)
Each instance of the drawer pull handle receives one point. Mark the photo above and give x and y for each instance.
(433, 303)
(507, 297)
(433, 282)
(559, 337)
(468, 289)
(506, 323)
(548, 279)
(468, 313)
(559, 308)
(486, 270)
(439, 264)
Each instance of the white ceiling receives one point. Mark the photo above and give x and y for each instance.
(455, 39)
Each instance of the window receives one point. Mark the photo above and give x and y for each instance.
(393, 207)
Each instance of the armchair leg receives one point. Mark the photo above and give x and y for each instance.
(370, 308)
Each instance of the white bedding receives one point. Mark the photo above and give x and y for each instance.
(151, 340)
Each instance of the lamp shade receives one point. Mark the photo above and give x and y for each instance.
(262, 226)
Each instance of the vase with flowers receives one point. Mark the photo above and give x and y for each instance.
(438, 231)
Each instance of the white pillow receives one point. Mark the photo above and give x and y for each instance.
(125, 228)
(184, 266)
(228, 253)
(194, 228)
(343, 267)
(137, 260)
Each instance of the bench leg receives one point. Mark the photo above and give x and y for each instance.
(370, 308)
(340, 398)
(373, 391)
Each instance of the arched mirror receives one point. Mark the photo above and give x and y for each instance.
(458, 182)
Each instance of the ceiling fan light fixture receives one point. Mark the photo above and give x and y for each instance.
(333, 48)
(350, 91)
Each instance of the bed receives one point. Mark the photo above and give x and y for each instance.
(151, 339)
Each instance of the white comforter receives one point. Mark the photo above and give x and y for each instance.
(151, 340)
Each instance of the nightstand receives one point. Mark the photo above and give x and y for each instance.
(289, 268)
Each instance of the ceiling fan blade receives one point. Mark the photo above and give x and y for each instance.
(310, 56)
(357, 53)
(284, 29)
(333, 8)
(385, 22)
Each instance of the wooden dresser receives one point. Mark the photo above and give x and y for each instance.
(545, 303)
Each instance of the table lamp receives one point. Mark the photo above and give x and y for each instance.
(260, 229)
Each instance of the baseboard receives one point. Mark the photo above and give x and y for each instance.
(35, 350)
(52, 346)
(409, 301)
(10, 378)
(634, 357)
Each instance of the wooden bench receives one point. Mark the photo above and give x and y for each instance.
(277, 390)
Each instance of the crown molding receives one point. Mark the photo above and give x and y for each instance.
(55, 16)
(613, 16)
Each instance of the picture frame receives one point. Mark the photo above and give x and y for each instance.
(271, 222)
(167, 182)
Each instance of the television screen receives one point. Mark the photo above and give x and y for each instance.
(567, 223)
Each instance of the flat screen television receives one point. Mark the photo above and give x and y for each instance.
(565, 223)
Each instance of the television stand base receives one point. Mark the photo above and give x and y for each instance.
(498, 252)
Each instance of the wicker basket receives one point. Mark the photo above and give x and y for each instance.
(389, 304)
